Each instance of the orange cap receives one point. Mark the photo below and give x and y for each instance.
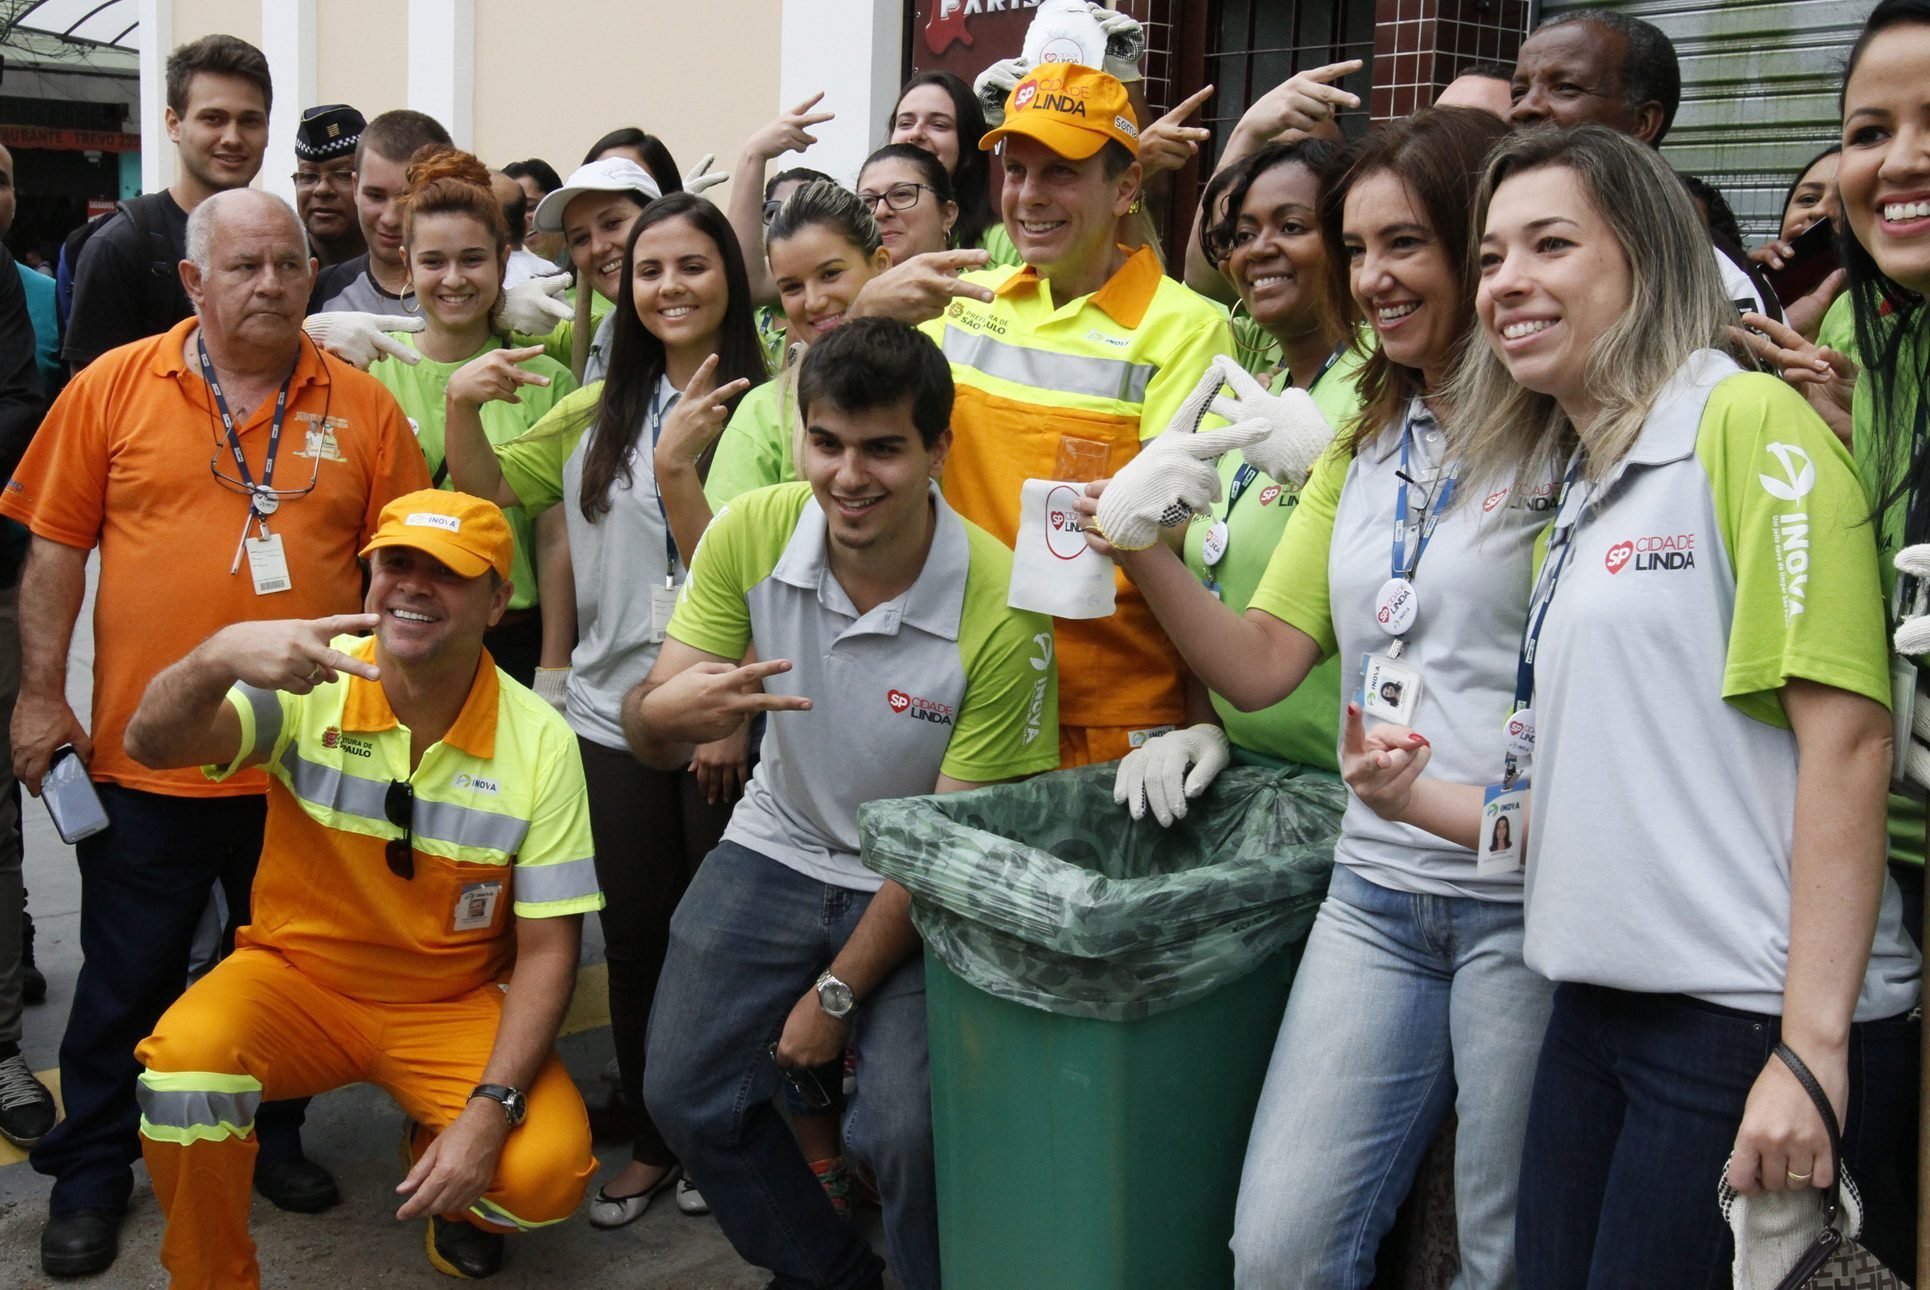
(1071, 109)
(466, 533)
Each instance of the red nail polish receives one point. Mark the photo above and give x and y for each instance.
(1418, 741)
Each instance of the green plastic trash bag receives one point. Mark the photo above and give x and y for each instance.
(1048, 893)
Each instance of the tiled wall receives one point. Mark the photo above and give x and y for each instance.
(1421, 45)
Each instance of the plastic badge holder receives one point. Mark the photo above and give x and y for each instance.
(70, 797)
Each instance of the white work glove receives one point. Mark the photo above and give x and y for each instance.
(1155, 773)
(994, 87)
(1125, 42)
(360, 338)
(1912, 640)
(1297, 433)
(551, 685)
(534, 307)
(701, 176)
(1173, 477)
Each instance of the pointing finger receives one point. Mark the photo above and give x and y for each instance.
(1187, 107)
(1333, 71)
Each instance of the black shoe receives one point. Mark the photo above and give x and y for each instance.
(462, 1249)
(296, 1184)
(33, 986)
(79, 1242)
(26, 1107)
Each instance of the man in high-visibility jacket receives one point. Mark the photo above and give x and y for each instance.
(1078, 356)
(427, 832)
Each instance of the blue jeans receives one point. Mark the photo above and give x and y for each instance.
(747, 941)
(1404, 1006)
(1636, 1103)
(144, 884)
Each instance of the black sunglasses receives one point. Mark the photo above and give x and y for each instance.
(805, 1081)
(399, 806)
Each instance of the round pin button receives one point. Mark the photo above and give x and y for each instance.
(1397, 606)
(265, 500)
(1520, 733)
(1213, 548)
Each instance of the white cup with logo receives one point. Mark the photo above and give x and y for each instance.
(1054, 571)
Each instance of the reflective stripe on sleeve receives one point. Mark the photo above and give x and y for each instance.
(465, 826)
(266, 709)
(1089, 375)
(332, 789)
(543, 884)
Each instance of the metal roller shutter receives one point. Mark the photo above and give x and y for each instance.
(1760, 80)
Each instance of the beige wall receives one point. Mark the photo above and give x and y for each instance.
(658, 64)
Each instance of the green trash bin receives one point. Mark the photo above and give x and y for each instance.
(1103, 997)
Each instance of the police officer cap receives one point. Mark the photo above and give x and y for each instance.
(327, 132)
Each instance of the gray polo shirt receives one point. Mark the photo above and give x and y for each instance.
(1728, 553)
(944, 679)
(1472, 583)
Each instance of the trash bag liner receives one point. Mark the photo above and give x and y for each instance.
(1049, 894)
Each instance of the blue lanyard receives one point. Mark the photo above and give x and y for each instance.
(255, 492)
(1431, 510)
(1560, 545)
(657, 412)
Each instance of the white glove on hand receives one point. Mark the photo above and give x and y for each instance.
(535, 307)
(551, 685)
(1155, 774)
(995, 85)
(1297, 433)
(362, 338)
(1125, 42)
(701, 176)
(1172, 479)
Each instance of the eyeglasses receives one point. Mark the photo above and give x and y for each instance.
(805, 1081)
(900, 197)
(399, 806)
(258, 491)
(342, 181)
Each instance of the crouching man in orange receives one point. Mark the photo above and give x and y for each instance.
(425, 870)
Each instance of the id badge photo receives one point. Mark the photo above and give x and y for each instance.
(1389, 691)
(1504, 820)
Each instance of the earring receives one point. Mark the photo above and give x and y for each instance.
(406, 300)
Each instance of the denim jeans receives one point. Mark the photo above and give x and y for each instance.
(1636, 1103)
(1404, 1006)
(747, 942)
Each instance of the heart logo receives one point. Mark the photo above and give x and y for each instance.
(1268, 493)
(1495, 499)
(898, 700)
(1618, 556)
(1058, 519)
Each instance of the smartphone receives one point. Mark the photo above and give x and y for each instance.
(70, 797)
(1813, 260)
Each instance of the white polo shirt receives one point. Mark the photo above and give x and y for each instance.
(942, 680)
(1729, 553)
(1472, 584)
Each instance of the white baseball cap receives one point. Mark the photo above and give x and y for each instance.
(610, 175)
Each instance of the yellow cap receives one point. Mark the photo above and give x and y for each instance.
(466, 533)
(1071, 109)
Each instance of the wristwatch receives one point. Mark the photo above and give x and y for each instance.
(515, 1105)
(834, 996)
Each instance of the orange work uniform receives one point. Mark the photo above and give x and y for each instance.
(127, 459)
(1096, 375)
(350, 972)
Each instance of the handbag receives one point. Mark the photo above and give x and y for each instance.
(1784, 1238)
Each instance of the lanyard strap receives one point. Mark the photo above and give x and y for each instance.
(657, 413)
(1560, 545)
(234, 435)
(1431, 509)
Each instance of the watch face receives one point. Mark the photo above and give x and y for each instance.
(516, 1106)
(835, 997)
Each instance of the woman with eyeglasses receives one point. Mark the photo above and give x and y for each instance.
(454, 249)
(909, 195)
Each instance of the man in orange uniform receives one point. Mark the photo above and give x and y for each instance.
(427, 832)
(1078, 356)
(167, 454)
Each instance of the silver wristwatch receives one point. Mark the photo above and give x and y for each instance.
(834, 996)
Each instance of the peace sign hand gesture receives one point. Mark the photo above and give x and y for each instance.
(692, 426)
(496, 375)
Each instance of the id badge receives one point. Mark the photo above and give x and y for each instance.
(1504, 821)
(1388, 690)
(268, 565)
(1903, 715)
(663, 603)
(476, 906)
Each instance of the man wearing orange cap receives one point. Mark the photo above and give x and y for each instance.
(1081, 353)
(427, 832)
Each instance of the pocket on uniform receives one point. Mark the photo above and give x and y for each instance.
(460, 901)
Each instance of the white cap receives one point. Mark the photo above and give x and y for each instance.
(610, 175)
